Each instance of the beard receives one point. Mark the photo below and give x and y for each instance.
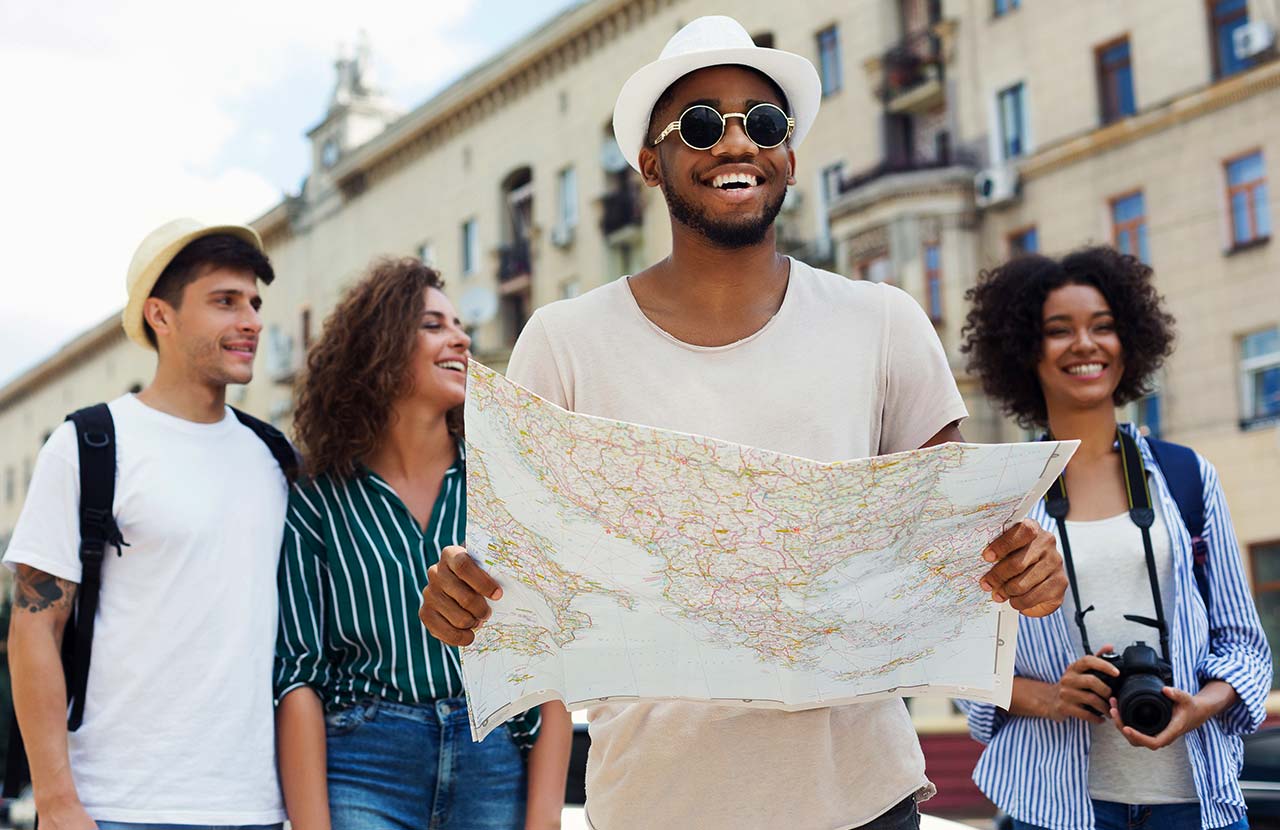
(206, 360)
(738, 232)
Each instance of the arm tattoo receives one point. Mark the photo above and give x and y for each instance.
(36, 591)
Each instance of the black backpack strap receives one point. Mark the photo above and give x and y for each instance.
(96, 440)
(17, 772)
(1181, 470)
(283, 452)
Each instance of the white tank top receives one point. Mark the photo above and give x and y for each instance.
(1111, 571)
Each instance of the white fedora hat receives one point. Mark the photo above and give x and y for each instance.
(154, 255)
(714, 40)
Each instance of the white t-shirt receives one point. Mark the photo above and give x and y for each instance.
(844, 370)
(1111, 572)
(178, 721)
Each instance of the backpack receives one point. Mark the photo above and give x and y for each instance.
(1181, 470)
(96, 444)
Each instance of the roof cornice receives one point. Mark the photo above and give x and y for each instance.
(1185, 107)
(539, 57)
(89, 342)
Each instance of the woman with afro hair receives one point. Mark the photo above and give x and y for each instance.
(1059, 344)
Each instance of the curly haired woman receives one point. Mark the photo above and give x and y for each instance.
(1060, 343)
(372, 723)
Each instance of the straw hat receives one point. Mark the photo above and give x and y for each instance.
(154, 255)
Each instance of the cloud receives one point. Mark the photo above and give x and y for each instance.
(120, 116)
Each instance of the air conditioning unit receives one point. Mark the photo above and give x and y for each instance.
(1253, 38)
(995, 186)
(562, 236)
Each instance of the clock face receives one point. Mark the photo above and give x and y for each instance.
(329, 153)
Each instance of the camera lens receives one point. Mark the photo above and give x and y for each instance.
(1143, 705)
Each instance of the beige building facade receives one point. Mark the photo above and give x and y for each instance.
(950, 132)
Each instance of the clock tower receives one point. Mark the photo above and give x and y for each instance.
(358, 111)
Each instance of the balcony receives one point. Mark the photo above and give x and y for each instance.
(621, 209)
(912, 78)
(942, 157)
(514, 261)
(909, 76)
(905, 200)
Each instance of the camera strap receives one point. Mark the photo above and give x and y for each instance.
(1141, 514)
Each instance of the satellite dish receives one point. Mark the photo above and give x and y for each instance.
(477, 306)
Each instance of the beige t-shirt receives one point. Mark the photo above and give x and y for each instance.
(844, 370)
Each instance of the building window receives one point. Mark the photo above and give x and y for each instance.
(1115, 81)
(1260, 377)
(1247, 200)
(933, 280)
(568, 198)
(427, 253)
(829, 59)
(763, 39)
(1225, 16)
(1025, 241)
(9, 485)
(832, 176)
(1129, 225)
(470, 247)
(1011, 104)
(875, 269)
(1265, 560)
(1003, 7)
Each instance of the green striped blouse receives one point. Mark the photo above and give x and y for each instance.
(352, 568)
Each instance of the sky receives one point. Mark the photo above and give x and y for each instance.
(124, 114)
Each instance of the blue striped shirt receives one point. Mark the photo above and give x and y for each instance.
(1037, 770)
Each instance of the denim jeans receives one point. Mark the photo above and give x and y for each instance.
(901, 816)
(129, 825)
(398, 767)
(1109, 815)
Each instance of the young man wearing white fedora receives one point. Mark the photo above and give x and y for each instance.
(173, 724)
(728, 338)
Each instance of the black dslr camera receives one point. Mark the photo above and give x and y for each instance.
(1139, 688)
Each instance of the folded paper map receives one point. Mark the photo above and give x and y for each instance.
(639, 563)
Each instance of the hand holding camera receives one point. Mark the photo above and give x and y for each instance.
(1083, 691)
(1187, 713)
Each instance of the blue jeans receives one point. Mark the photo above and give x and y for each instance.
(1109, 815)
(399, 767)
(129, 825)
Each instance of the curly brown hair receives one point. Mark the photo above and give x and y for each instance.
(361, 365)
(1003, 332)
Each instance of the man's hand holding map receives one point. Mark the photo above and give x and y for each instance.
(641, 563)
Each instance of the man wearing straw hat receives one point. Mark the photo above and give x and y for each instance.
(174, 723)
(728, 338)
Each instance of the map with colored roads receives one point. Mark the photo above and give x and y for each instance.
(640, 563)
